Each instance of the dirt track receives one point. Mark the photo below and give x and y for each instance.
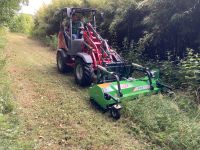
(54, 113)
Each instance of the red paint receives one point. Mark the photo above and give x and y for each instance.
(95, 52)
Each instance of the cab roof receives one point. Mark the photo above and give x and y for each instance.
(78, 10)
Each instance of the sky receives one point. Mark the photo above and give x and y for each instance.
(33, 6)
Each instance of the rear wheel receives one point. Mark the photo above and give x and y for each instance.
(62, 67)
(83, 73)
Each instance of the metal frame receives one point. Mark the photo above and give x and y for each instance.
(69, 13)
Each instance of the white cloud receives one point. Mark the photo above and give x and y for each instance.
(33, 6)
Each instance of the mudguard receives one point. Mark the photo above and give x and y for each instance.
(86, 57)
(63, 52)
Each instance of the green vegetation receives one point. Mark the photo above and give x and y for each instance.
(8, 123)
(170, 124)
(151, 27)
(5, 104)
(8, 9)
(51, 41)
(183, 74)
(160, 34)
(22, 23)
(156, 33)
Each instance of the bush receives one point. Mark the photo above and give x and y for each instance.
(164, 122)
(9, 123)
(22, 23)
(183, 74)
(190, 70)
(52, 41)
(170, 74)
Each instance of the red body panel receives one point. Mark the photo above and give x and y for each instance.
(95, 51)
(61, 41)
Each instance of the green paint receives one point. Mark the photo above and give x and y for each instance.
(131, 89)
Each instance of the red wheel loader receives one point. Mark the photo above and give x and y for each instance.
(85, 53)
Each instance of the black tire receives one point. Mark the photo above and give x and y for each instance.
(83, 73)
(61, 66)
(115, 113)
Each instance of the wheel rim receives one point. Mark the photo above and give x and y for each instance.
(59, 61)
(79, 71)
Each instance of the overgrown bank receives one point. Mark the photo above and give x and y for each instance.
(5, 103)
(9, 124)
(165, 122)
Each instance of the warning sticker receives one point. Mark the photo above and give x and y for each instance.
(140, 88)
(105, 85)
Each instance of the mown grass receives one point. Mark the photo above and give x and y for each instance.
(9, 124)
(169, 124)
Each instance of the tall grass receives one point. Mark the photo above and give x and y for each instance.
(21, 23)
(5, 103)
(51, 41)
(9, 124)
(170, 124)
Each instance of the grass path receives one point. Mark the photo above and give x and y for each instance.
(54, 113)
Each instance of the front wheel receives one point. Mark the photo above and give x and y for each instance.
(115, 113)
(83, 73)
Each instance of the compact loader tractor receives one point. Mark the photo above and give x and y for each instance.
(93, 61)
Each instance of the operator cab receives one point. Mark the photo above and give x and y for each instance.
(71, 26)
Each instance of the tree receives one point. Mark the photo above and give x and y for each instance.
(173, 26)
(22, 23)
(8, 8)
(151, 27)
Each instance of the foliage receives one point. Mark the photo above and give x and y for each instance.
(52, 41)
(172, 26)
(182, 74)
(5, 104)
(169, 124)
(190, 69)
(22, 23)
(151, 28)
(170, 73)
(9, 124)
(46, 22)
(8, 8)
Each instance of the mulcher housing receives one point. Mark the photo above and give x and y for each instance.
(109, 95)
(129, 88)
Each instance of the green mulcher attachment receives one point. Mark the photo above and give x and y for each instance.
(109, 95)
